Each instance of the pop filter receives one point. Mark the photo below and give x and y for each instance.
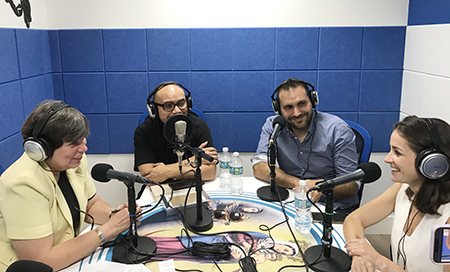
(170, 126)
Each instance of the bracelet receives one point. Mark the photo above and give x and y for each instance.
(100, 235)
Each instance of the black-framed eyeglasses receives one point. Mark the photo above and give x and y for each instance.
(228, 215)
(169, 106)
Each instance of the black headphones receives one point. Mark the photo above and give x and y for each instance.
(432, 163)
(36, 147)
(310, 92)
(153, 109)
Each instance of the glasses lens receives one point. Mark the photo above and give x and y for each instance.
(182, 104)
(168, 106)
(219, 214)
(235, 216)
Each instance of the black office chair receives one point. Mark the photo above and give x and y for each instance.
(195, 110)
(364, 144)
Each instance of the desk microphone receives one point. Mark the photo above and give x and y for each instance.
(177, 130)
(273, 192)
(104, 172)
(326, 257)
(366, 172)
(131, 247)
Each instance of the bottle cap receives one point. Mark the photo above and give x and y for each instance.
(224, 149)
(302, 182)
(236, 154)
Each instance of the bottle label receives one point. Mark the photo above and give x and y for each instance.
(236, 170)
(224, 164)
(302, 203)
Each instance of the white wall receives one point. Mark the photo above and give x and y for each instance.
(426, 76)
(82, 14)
(38, 15)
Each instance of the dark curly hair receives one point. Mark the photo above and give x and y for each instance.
(433, 193)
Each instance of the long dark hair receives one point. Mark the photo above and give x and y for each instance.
(433, 193)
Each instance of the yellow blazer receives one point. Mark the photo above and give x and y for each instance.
(32, 205)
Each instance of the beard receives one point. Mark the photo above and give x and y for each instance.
(301, 122)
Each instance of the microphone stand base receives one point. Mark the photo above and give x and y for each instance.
(265, 193)
(339, 261)
(124, 252)
(190, 214)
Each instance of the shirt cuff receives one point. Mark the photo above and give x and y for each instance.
(258, 158)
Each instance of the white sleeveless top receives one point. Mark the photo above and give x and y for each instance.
(417, 246)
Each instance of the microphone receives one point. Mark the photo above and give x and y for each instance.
(104, 172)
(366, 172)
(180, 134)
(278, 124)
(122, 252)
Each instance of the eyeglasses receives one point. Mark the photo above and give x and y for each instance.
(169, 106)
(228, 215)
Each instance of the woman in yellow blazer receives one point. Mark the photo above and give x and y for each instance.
(45, 194)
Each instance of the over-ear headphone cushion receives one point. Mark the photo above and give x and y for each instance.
(432, 164)
(152, 110)
(314, 97)
(37, 149)
(276, 106)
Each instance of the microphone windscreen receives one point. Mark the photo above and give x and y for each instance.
(279, 120)
(28, 266)
(372, 171)
(99, 170)
(169, 127)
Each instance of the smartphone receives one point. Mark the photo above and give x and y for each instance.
(440, 246)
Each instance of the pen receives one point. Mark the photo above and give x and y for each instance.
(111, 212)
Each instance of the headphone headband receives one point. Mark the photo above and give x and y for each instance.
(164, 84)
(152, 108)
(433, 130)
(310, 92)
(44, 119)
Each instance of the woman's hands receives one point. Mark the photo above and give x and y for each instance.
(119, 221)
(365, 257)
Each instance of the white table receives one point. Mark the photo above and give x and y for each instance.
(102, 256)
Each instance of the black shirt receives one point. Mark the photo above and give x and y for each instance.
(150, 145)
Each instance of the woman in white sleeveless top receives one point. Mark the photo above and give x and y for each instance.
(419, 198)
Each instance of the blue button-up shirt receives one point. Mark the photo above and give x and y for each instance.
(328, 151)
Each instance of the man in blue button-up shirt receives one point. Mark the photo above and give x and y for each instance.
(313, 146)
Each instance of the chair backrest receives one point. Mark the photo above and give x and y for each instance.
(194, 110)
(364, 144)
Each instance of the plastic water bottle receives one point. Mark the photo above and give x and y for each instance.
(303, 217)
(236, 171)
(224, 162)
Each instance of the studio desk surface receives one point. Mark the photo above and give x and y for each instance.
(165, 228)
